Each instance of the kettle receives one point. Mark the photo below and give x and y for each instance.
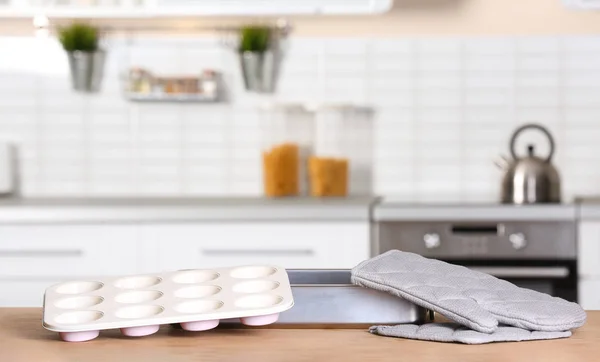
(530, 179)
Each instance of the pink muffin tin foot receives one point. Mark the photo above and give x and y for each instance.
(139, 331)
(200, 325)
(260, 320)
(79, 336)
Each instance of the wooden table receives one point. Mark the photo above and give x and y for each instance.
(23, 339)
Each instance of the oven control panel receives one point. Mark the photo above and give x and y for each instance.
(527, 240)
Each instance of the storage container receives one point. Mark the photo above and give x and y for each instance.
(343, 151)
(287, 131)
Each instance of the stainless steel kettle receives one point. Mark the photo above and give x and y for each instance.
(530, 179)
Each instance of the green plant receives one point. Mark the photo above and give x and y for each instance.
(255, 38)
(77, 36)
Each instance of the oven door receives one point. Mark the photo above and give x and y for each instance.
(556, 278)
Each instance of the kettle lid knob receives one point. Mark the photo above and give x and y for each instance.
(530, 148)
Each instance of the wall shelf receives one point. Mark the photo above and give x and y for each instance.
(141, 9)
(172, 98)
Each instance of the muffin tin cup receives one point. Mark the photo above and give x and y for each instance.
(195, 300)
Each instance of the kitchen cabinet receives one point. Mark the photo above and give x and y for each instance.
(35, 256)
(589, 264)
(289, 244)
(32, 257)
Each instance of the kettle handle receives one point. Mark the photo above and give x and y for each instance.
(513, 140)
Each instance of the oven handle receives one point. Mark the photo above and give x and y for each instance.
(524, 272)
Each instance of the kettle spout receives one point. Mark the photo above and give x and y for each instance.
(502, 162)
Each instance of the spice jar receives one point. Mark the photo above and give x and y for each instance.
(287, 131)
(342, 160)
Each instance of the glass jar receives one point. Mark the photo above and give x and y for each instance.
(343, 151)
(287, 131)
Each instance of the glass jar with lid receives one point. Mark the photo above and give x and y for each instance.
(343, 151)
(287, 140)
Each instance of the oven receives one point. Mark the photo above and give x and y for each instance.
(536, 255)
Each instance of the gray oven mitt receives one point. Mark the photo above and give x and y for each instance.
(452, 332)
(473, 299)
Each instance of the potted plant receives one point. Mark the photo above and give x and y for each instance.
(86, 59)
(260, 57)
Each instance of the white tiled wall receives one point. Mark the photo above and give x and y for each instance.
(445, 108)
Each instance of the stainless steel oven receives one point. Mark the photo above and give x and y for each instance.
(537, 255)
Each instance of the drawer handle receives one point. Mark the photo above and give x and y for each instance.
(40, 253)
(270, 252)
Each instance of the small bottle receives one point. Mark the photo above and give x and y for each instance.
(209, 83)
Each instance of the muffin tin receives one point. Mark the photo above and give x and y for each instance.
(197, 299)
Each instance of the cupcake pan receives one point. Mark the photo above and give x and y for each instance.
(194, 299)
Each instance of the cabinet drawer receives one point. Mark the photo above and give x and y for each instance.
(589, 249)
(589, 294)
(291, 245)
(67, 251)
(27, 292)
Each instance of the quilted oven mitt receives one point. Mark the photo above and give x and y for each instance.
(481, 302)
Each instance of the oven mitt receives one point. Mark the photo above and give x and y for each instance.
(453, 332)
(473, 299)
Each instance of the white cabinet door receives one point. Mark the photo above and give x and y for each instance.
(67, 250)
(33, 257)
(288, 244)
(589, 294)
(589, 249)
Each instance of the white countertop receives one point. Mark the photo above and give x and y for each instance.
(23, 210)
(69, 210)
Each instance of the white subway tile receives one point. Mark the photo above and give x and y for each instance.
(342, 65)
(345, 47)
(489, 63)
(542, 79)
(400, 64)
(157, 171)
(385, 47)
(582, 79)
(157, 154)
(445, 46)
(582, 44)
(538, 44)
(537, 63)
(439, 80)
(582, 97)
(159, 188)
(245, 188)
(17, 82)
(17, 100)
(487, 98)
(588, 117)
(436, 62)
(391, 98)
(582, 62)
(489, 46)
(204, 154)
(439, 98)
(483, 79)
(434, 118)
(537, 97)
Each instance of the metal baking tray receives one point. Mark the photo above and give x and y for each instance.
(328, 297)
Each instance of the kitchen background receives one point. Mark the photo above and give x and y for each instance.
(444, 109)
(157, 186)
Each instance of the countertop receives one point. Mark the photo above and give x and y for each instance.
(391, 209)
(353, 208)
(16, 210)
(22, 339)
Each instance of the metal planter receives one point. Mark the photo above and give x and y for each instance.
(260, 70)
(87, 70)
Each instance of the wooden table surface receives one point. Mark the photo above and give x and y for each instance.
(23, 339)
